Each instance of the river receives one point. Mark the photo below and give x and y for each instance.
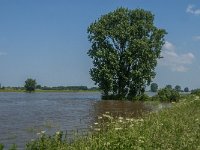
(23, 115)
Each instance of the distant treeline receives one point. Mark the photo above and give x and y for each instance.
(54, 88)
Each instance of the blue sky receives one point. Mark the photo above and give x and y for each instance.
(47, 40)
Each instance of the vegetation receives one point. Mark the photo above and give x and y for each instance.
(169, 86)
(167, 95)
(175, 128)
(186, 89)
(178, 88)
(30, 85)
(196, 92)
(40, 88)
(125, 48)
(154, 87)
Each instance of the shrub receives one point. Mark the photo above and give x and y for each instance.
(168, 95)
(1, 146)
(142, 97)
(196, 92)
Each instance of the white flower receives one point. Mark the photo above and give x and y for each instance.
(43, 132)
(95, 123)
(107, 116)
(58, 132)
(120, 118)
(38, 133)
(99, 117)
(97, 129)
(118, 128)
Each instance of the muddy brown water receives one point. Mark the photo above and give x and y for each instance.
(23, 115)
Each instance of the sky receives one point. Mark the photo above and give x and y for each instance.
(47, 40)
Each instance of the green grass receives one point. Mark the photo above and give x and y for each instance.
(174, 128)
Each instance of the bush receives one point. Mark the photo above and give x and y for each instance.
(142, 97)
(168, 95)
(196, 92)
(1, 146)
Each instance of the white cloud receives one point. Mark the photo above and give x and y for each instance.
(197, 38)
(191, 9)
(3, 53)
(173, 60)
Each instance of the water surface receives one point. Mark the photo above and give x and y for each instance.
(23, 115)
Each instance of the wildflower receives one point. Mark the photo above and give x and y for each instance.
(38, 133)
(120, 121)
(141, 139)
(120, 118)
(43, 132)
(99, 117)
(197, 119)
(107, 143)
(58, 132)
(107, 116)
(95, 123)
(97, 129)
(107, 112)
(118, 128)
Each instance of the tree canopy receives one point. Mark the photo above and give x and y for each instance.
(125, 46)
(169, 86)
(30, 85)
(178, 88)
(186, 89)
(154, 87)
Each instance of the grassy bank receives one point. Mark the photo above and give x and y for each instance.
(174, 128)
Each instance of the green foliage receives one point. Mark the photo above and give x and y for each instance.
(196, 92)
(141, 97)
(125, 48)
(45, 142)
(186, 89)
(168, 95)
(154, 87)
(13, 147)
(38, 86)
(30, 85)
(169, 86)
(1, 146)
(178, 88)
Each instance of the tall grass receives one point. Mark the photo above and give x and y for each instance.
(174, 128)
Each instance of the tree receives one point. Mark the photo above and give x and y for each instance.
(38, 86)
(186, 89)
(169, 86)
(125, 46)
(178, 88)
(30, 85)
(154, 87)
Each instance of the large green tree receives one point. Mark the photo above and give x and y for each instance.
(125, 47)
(30, 85)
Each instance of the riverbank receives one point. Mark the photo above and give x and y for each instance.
(175, 128)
